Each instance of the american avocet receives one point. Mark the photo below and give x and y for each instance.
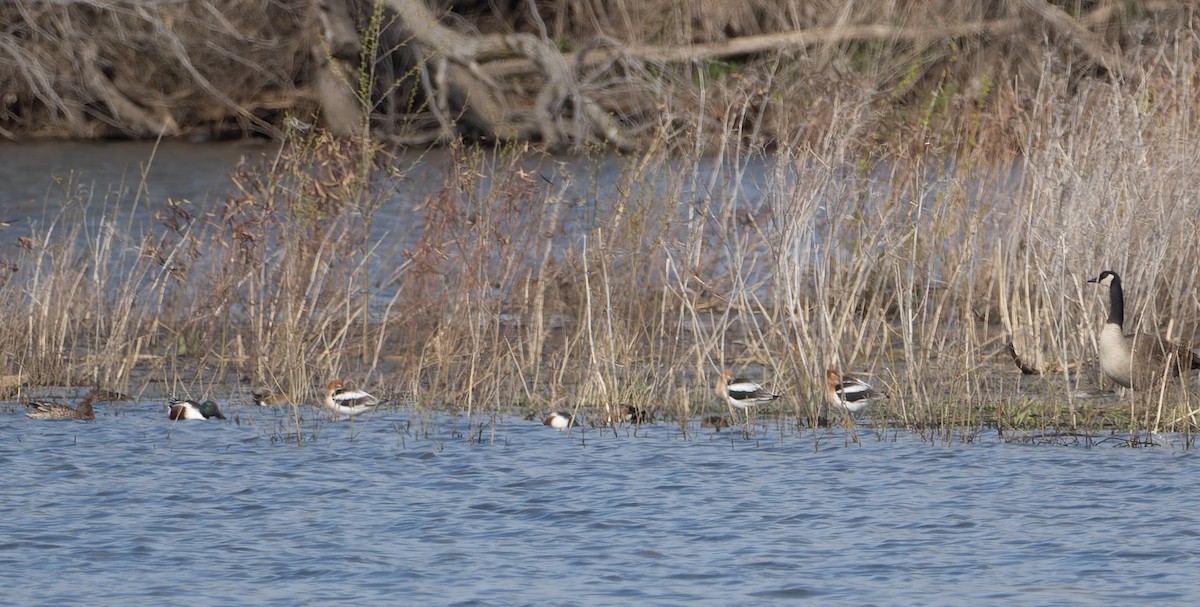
(849, 393)
(345, 401)
(558, 421)
(1136, 361)
(190, 409)
(742, 393)
(47, 410)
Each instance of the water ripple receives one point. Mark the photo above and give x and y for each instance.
(143, 513)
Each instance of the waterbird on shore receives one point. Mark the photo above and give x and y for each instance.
(558, 421)
(190, 409)
(1138, 361)
(47, 410)
(742, 393)
(347, 401)
(849, 393)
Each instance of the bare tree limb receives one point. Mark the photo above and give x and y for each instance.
(1087, 42)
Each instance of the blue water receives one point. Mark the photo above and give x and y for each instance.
(404, 509)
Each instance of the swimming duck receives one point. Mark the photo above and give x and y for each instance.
(270, 399)
(47, 410)
(558, 421)
(100, 395)
(345, 401)
(849, 393)
(1136, 361)
(634, 415)
(190, 409)
(742, 393)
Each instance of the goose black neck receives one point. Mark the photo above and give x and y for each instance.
(1116, 303)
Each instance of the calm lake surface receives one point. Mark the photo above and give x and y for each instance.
(132, 510)
(402, 509)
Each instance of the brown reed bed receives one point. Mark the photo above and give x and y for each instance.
(518, 287)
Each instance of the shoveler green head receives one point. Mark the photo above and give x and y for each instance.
(190, 409)
(209, 410)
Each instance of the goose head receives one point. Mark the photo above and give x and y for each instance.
(1106, 278)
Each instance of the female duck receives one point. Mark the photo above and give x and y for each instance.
(46, 410)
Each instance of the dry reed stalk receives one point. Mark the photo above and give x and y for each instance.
(514, 296)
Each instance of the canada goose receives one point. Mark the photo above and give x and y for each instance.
(742, 393)
(1136, 361)
(849, 393)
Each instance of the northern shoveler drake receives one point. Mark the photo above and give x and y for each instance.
(47, 410)
(190, 409)
(558, 421)
(270, 399)
(742, 393)
(345, 401)
(849, 393)
(634, 415)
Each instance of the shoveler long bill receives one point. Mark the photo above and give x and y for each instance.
(344, 401)
(46, 410)
(190, 409)
(742, 393)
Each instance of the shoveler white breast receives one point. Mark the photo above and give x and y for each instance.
(345, 401)
(558, 421)
(190, 409)
(742, 393)
(849, 393)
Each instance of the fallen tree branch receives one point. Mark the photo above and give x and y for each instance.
(1084, 39)
(560, 96)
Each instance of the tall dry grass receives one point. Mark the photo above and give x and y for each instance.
(527, 284)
